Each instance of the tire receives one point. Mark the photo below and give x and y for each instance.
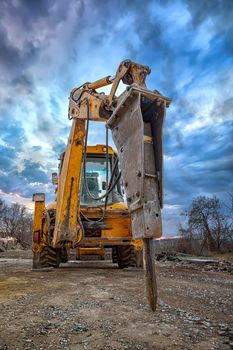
(114, 255)
(63, 255)
(48, 257)
(139, 258)
(126, 256)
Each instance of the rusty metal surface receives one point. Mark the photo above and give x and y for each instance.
(134, 129)
(151, 284)
(100, 83)
(137, 130)
(129, 72)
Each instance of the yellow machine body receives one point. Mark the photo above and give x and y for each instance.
(117, 230)
(91, 213)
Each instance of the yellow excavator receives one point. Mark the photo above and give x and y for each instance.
(104, 198)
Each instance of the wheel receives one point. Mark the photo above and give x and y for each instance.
(48, 257)
(126, 256)
(63, 255)
(78, 255)
(139, 258)
(114, 255)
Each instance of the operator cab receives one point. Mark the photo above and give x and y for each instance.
(96, 177)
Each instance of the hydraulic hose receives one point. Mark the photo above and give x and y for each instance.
(110, 186)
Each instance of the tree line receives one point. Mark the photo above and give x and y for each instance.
(208, 227)
(16, 221)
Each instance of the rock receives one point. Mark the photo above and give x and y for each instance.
(2, 248)
(222, 333)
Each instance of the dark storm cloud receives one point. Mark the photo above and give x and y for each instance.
(204, 165)
(10, 178)
(31, 9)
(27, 10)
(9, 55)
(220, 12)
(48, 47)
(12, 136)
(33, 172)
(13, 180)
(12, 58)
(23, 84)
(26, 15)
(7, 156)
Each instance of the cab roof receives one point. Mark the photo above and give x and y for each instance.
(97, 149)
(100, 149)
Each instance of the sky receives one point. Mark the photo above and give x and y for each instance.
(48, 47)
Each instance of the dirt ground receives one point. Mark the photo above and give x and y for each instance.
(94, 305)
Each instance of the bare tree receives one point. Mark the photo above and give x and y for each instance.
(229, 204)
(208, 223)
(1, 206)
(16, 221)
(3, 209)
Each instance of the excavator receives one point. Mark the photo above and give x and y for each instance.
(107, 198)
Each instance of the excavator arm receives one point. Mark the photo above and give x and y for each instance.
(136, 120)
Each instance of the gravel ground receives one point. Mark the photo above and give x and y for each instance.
(94, 305)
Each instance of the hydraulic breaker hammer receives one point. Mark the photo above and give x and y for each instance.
(137, 125)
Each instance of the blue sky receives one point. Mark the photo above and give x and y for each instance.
(49, 47)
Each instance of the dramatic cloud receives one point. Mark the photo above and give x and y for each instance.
(49, 47)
